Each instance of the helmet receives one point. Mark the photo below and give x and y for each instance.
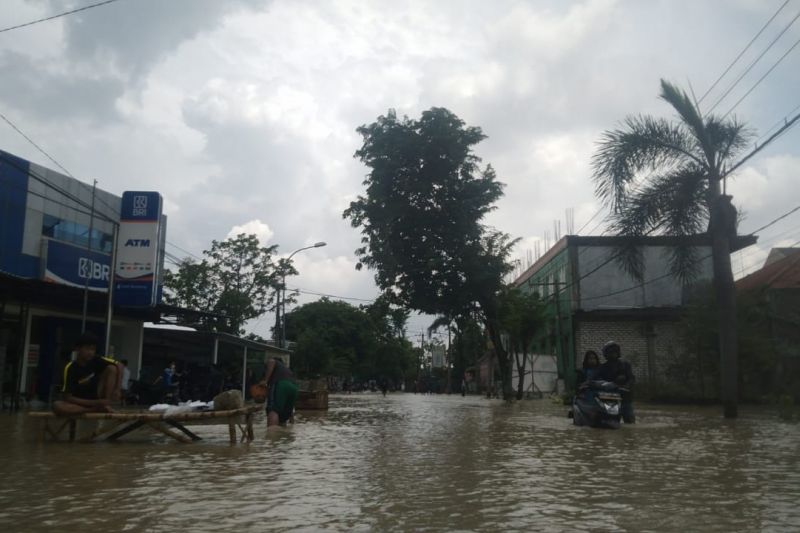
(610, 348)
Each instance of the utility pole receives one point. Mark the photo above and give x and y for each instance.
(449, 362)
(90, 263)
(277, 332)
(110, 310)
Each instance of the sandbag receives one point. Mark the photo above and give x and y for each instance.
(228, 400)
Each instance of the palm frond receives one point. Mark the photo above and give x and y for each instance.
(688, 112)
(672, 204)
(730, 136)
(684, 263)
(644, 144)
(440, 322)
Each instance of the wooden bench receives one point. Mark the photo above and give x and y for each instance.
(123, 422)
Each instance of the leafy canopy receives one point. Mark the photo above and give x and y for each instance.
(236, 280)
(336, 338)
(421, 216)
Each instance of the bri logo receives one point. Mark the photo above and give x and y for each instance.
(138, 243)
(140, 206)
(88, 269)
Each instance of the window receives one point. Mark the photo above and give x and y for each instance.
(74, 233)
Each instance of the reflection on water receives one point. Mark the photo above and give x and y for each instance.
(422, 463)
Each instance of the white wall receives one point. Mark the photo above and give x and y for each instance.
(541, 373)
(654, 291)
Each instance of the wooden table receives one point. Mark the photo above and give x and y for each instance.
(123, 422)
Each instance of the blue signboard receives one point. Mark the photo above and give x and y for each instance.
(141, 206)
(74, 265)
(139, 258)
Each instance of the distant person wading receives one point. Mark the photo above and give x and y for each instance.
(281, 393)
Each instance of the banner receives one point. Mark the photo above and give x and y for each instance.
(72, 265)
(138, 267)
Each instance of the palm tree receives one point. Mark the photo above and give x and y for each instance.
(668, 177)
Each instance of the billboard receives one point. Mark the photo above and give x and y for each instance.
(139, 257)
(73, 265)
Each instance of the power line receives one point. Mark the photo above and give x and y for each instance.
(751, 65)
(588, 221)
(64, 14)
(184, 250)
(49, 199)
(33, 143)
(668, 274)
(778, 123)
(786, 127)
(793, 210)
(312, 293)
(756, 84)
(55, 162)
(745, 49)
(746, 271)
(56, 188)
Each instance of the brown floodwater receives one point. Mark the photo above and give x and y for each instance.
(417, 463)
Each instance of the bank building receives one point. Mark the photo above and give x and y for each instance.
(57, 244)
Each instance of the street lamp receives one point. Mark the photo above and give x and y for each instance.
(282, 297)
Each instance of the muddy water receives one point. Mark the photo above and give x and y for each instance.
(420, 463)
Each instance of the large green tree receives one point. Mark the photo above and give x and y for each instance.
(663, 176)
(336, 338)
(422, 219)
(235, 281)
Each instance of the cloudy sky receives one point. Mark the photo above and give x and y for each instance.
(243, 112)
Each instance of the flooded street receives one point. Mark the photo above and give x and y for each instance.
(420, 463)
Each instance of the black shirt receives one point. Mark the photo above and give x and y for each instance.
(612, 369)
(278, 373)
(81, 381)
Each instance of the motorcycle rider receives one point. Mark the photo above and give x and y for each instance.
(620, 372)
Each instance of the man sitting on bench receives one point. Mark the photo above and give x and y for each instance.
(91, 382)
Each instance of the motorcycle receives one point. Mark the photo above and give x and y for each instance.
(598, 404)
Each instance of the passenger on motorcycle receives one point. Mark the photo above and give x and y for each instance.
(620, 372)
(589, 369)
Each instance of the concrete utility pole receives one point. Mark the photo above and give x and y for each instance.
(88, 274)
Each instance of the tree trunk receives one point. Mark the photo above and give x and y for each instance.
(503, 360)
(726, 302)
(520, 375)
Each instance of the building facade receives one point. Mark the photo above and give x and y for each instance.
(590, 300)
(56, 244)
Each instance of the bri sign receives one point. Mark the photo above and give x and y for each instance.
(72, 265)
(139, 259)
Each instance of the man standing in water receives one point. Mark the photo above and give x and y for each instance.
(620, 372)
(281, 393)
(91, 382)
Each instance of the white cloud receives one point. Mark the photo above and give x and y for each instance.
(253, 227)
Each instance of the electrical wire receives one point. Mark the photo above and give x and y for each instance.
(783, 120)
(668, 274)
(767, 73)
(745, 49)
(190, 254)
(786, 127)
(56, 188)
(59, 15)
(312, 293)
(753, 64)
(55, 162)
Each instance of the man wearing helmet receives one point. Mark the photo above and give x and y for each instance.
(620, 372)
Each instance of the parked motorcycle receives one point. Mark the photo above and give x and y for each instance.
(598, 404)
